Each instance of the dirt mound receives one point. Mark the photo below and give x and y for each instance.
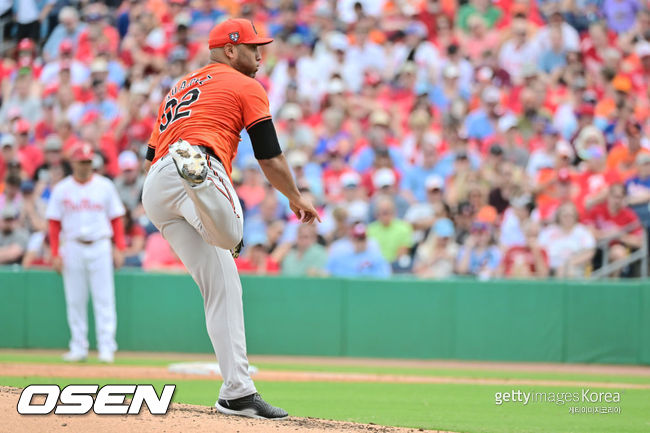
(181, 418)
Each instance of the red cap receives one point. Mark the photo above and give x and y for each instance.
(66, 46)
(563, 175)
(21, 126)
(82, 152)
(359, 231)
(586, 110)
(235, 31)
(26, 45)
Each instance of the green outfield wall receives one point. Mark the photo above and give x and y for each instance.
(604, 322)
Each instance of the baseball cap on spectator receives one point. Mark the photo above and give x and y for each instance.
(372, 78)
(491, 95)
(140, 88)
(642, 49)
(521, 201)
(183, 20)
(291, 111)
(487, 214)
(127, 160)
(444, 228)
(434, 182)
(297, 159)
(451, 71)
(484, 74)
(7, 140)
(383, 177)
(235, 31)
(359, 231)
(507, 122)
(99, 66)
(563, 148)
(564, 175)
(26, 44)
(496, 150)
(417, 28)
(335, 86)
(9, 212)
(379, 118)
(66, 46)
(357, 212)
(622, 83)
(27, 186)
(338, 42)
(82, 152)
(643, 158)
(350, 179)
(21, 127)
(586, 110)
(53, 143)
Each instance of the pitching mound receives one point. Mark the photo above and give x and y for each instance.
(180, 418)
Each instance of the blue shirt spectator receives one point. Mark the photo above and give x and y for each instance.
(361, 260)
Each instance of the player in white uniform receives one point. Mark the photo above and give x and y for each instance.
(86, 211)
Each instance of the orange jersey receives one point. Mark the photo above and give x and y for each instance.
(210, 107)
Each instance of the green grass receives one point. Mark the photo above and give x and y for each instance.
(455, 407)
(408, 371)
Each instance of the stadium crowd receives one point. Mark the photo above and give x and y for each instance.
(438, 138)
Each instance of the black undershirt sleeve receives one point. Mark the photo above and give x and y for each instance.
(151, 153)
(265, 140)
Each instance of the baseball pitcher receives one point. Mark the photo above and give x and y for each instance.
(188, 193)
(84, 213)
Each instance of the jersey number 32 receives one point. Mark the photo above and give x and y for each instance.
(173, 109)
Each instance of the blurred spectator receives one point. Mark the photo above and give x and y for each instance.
(68, 28)
(307, 257)
(134, 239)
(11, 196)
(448, 110)
(256, 258)
(638, 187)
(159, 256)
(436, 256)
(38, 252)
(479, 256)
(393, 235)
(21, 102)
(528, 260)
(613, 221)
(359, 260)
(13, 238)
(570, 245)
(129, 182)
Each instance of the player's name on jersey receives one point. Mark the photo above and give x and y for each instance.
(185, 85)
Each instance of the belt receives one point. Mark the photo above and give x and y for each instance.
(85, 242)
(208, 151)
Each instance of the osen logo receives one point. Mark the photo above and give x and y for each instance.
(108, 400)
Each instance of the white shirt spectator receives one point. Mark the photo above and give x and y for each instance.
(79, 73)
(570, 39)
(561, 246)
(512, 57)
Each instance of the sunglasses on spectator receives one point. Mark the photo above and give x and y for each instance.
(480, 227)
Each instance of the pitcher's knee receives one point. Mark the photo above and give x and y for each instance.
(227, 241)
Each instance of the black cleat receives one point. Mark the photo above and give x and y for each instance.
(251, 406)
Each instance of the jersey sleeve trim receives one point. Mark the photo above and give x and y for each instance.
(261, 119)
(151, 153)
